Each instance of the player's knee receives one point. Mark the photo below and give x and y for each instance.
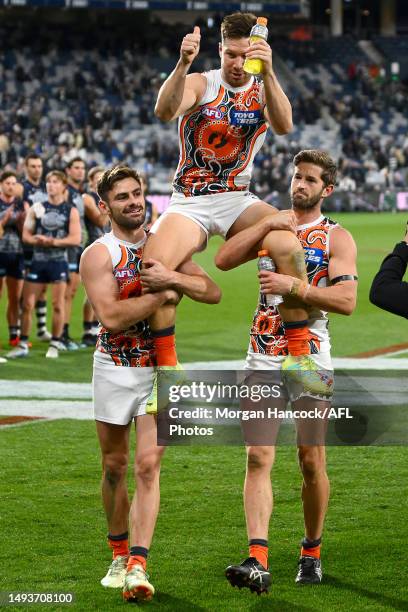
(312, 460)
(115, 468)
(147, 466)
(282, 244)
(260, 458)
(57, 307)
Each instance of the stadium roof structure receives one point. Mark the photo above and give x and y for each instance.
(278, 7)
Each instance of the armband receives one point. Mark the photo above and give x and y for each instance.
(344, 277)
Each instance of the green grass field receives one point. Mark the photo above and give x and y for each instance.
(221, 332)
(53, 528)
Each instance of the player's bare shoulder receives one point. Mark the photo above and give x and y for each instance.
(341, 241)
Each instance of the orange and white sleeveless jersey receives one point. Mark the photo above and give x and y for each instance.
(132, 347)
(220, 138)
(267, 331)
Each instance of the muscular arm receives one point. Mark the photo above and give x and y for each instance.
(388, 290)
(245, 245)
(278, 111)
(180, 92)
(339, 298)
(74, 232)
(189, 279)
(102, 291)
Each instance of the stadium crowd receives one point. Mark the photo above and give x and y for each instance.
(93, 95)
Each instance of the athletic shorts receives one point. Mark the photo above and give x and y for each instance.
(47, 272)
(214, 213)
(291, 391)
(119, 393)
(74, 256)
(12, 264)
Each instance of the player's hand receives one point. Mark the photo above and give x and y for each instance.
(7, 216)
(274, 283)
(283, 220)
(261, 50)
(190, 47)
(154, 276)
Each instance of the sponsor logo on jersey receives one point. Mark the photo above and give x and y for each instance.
(314, 256)
(212, 112)
(249, 117)
(124, 273)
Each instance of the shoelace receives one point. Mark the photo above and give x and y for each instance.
(116, 566)
(307, 564)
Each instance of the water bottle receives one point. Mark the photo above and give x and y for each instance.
(266, 263)
(258, 32)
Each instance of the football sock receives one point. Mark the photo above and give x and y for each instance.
(65, 331)
(311, 548)
(24, 340)
(297, 335)
(41, 313)
(14, 331)
(119, 544)
(165, 343)
(87, 325)
(259, 549)
(137, 556)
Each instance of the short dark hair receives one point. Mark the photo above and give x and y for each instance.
(319, 158)
(57, 173)
(31, 156)
(237, 25)
(73, 161)
(7, 174)
(112, 176)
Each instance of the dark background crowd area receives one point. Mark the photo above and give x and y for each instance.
(88, 86)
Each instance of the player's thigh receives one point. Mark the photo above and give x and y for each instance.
(73, 282)
(311, 430)
(31, 293)
(147, 450)
(58, 290)
(177, 238)
(14, 287)
(250, 216)
(113, 439)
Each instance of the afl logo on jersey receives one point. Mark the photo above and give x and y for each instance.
(212, 113)
(124, 273)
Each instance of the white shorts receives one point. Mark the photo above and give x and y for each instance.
(258, 361)
(119, 393)
(214, 213)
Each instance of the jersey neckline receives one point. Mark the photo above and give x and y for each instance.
(133, 245)
(311, 223)
(236, 89)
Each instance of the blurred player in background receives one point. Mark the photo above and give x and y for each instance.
(330, 255)
(151, 210)
(12, 214)
(32, 191)
(94, 231)
(85, 204)
(50, 227)
(223, 117)
(123, 373)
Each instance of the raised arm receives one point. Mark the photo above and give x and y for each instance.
(189, 279)
(180, 92)
(340, 296)
(102, 291)
(278, 111)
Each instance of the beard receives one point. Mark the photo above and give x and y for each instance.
(303, 203)
(126, 222)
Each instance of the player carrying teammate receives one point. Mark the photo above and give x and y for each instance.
(123, 373)
(223, 117)
(330, 255)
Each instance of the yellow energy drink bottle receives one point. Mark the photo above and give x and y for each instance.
(259, 31)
